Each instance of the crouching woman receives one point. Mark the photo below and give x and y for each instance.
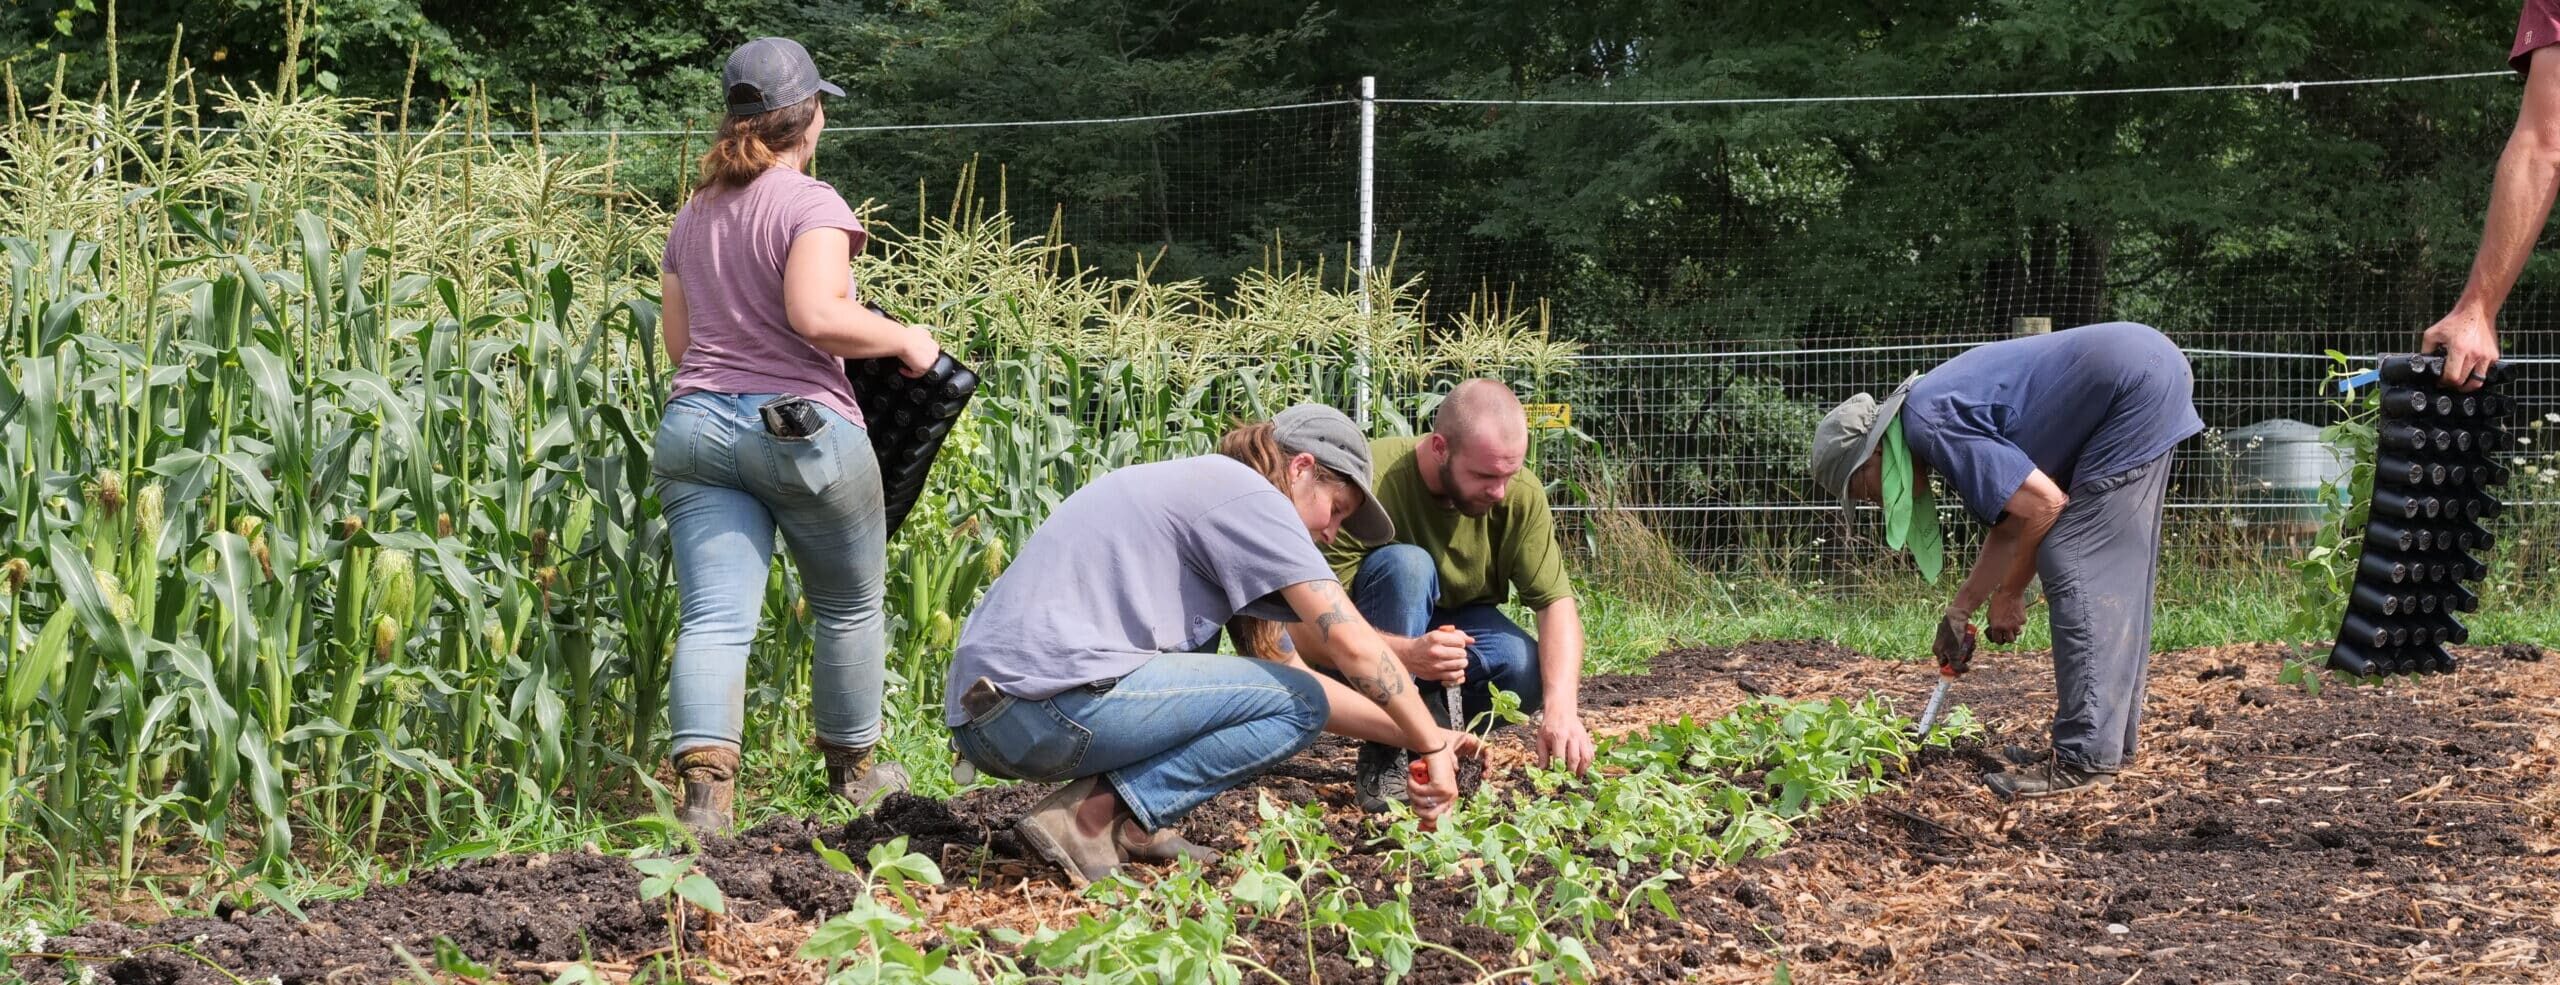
(1084, 663)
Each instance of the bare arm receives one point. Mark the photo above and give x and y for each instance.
(2009, 555)
(1339, 636)
(1361, 656)
(674, 319)
(816, 298)
(2519, 203)
(1560, 655)
(1561, 734)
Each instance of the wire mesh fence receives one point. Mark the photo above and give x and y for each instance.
(1708, 449)
(1735, 267)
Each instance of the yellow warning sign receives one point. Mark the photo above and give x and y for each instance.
(1549, 417)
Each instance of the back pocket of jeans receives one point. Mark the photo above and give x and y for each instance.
(805, 466)
(674, 449)
(1028, 740)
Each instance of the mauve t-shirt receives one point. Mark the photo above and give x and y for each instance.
(2537, 26)
(727, 250)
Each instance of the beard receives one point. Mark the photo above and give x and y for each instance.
(1449, 481)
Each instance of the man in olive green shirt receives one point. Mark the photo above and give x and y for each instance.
(1472, 527)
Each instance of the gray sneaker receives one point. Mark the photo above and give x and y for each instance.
(2052, 778)
(1381, 776)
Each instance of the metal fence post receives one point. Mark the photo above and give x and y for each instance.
(1368, 229)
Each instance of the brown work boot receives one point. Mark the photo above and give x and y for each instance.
(1167, 846)
(1051, 830)
(855, 776)
(2051, 778)
(710, 775)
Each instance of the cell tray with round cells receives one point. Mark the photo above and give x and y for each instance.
(2434, 471)
(908, 418)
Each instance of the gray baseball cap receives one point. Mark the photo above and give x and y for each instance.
(769, 74)
(1337, 444)
(1848, 436)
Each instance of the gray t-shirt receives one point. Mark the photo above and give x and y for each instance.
(1144, 561)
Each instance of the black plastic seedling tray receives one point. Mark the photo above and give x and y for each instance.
(908, 418)
(2431, 488)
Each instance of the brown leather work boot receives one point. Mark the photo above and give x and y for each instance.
(855, 776)
(710, 775)
(1051, 830)
(1166, 846)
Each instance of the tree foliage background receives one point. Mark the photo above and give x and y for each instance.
(2319, 217)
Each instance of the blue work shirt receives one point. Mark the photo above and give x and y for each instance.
(2083, 404)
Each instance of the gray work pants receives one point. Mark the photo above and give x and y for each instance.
(2101, 568)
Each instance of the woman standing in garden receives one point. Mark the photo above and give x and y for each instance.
(1084, 664)
(762, 433)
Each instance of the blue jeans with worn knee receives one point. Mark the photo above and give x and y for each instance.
(726, 487)
(1398, 591)
(1180, 729)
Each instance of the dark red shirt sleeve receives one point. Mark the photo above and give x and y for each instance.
(2537, 26)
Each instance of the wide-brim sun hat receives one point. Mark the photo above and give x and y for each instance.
(1849, 435)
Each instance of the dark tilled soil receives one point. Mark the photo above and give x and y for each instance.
(2264, 835)
(2371, 834)
(505, 912)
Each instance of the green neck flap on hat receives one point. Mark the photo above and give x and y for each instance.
(1910, 511)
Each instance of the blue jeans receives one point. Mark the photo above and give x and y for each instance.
(1180, 729)
(726, 486)
(1398, 591)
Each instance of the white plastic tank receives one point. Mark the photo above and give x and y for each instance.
(2280, 467)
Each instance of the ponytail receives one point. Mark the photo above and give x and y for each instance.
(1259, 449)
(1256, 446)
(748, 146)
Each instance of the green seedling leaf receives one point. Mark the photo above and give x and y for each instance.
(1661, 902)
(835, 860)
(1265, 891)
(841, 937)
(450, 960)
(700, 891)
(279, 898)
(659, 875)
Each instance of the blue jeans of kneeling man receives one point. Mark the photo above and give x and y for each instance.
(1398, 591)
(1169, 736)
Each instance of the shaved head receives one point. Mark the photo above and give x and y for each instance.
(1478, 441)
(1481, 411)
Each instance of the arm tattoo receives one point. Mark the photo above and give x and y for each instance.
(1381, 684)
(1332, 616)
(1384, 683)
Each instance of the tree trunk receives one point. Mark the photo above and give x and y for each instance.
(2044, 269)
(2084, 296)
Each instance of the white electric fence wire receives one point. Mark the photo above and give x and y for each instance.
(2293, 88)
